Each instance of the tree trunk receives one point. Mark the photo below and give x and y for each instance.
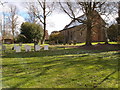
(44, 34)
(88, 33)
(44, 14)
(89, 15)
(13, 35)
(106, 37)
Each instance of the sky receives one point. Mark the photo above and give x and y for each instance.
(55, 22)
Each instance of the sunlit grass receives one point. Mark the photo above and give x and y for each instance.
(60, 68)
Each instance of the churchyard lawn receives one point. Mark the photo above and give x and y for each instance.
(60, 67)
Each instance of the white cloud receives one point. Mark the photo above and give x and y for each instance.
(57, 22)
(20, 20)
(110, 19)
(4, 8)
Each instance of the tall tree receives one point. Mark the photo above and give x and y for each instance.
(13, 19)
(41, 10)
(88, 9)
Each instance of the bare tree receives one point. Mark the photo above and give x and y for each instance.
(30, 9)
(41, 10)
(88, 9)
(72, 10)
(13, 19)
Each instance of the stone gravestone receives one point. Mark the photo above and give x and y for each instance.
(14, 47)
(27, 48)
(18, 49)
(46, 47)
(37, 48)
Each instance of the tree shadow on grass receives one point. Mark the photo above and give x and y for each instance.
(29, 78)
(66, 63)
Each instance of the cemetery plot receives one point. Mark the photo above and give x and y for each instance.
(65, 68)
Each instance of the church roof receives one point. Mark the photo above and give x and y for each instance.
(78, 21)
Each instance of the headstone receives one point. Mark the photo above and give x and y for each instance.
(18, 49)
(46, 47)
(14, 47)
(27, 48)
(37, 48)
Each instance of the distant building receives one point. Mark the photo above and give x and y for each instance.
(8, 40)
(54, 32)
(76, 31)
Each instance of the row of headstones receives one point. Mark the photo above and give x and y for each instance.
(28, 48)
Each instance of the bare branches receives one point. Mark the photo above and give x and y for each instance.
(65, 10)
(40, 3)
(91, 10)
(70, 7)
(37, 13)
(13, 18)
(50, 9)
(38, 9)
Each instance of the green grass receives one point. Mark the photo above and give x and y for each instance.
(60, 68)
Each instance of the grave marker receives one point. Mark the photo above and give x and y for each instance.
(18, 49)
(46, 47)
(37, 48)
(14, 47)
(27, 48)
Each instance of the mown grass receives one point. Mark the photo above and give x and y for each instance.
(60, 68)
